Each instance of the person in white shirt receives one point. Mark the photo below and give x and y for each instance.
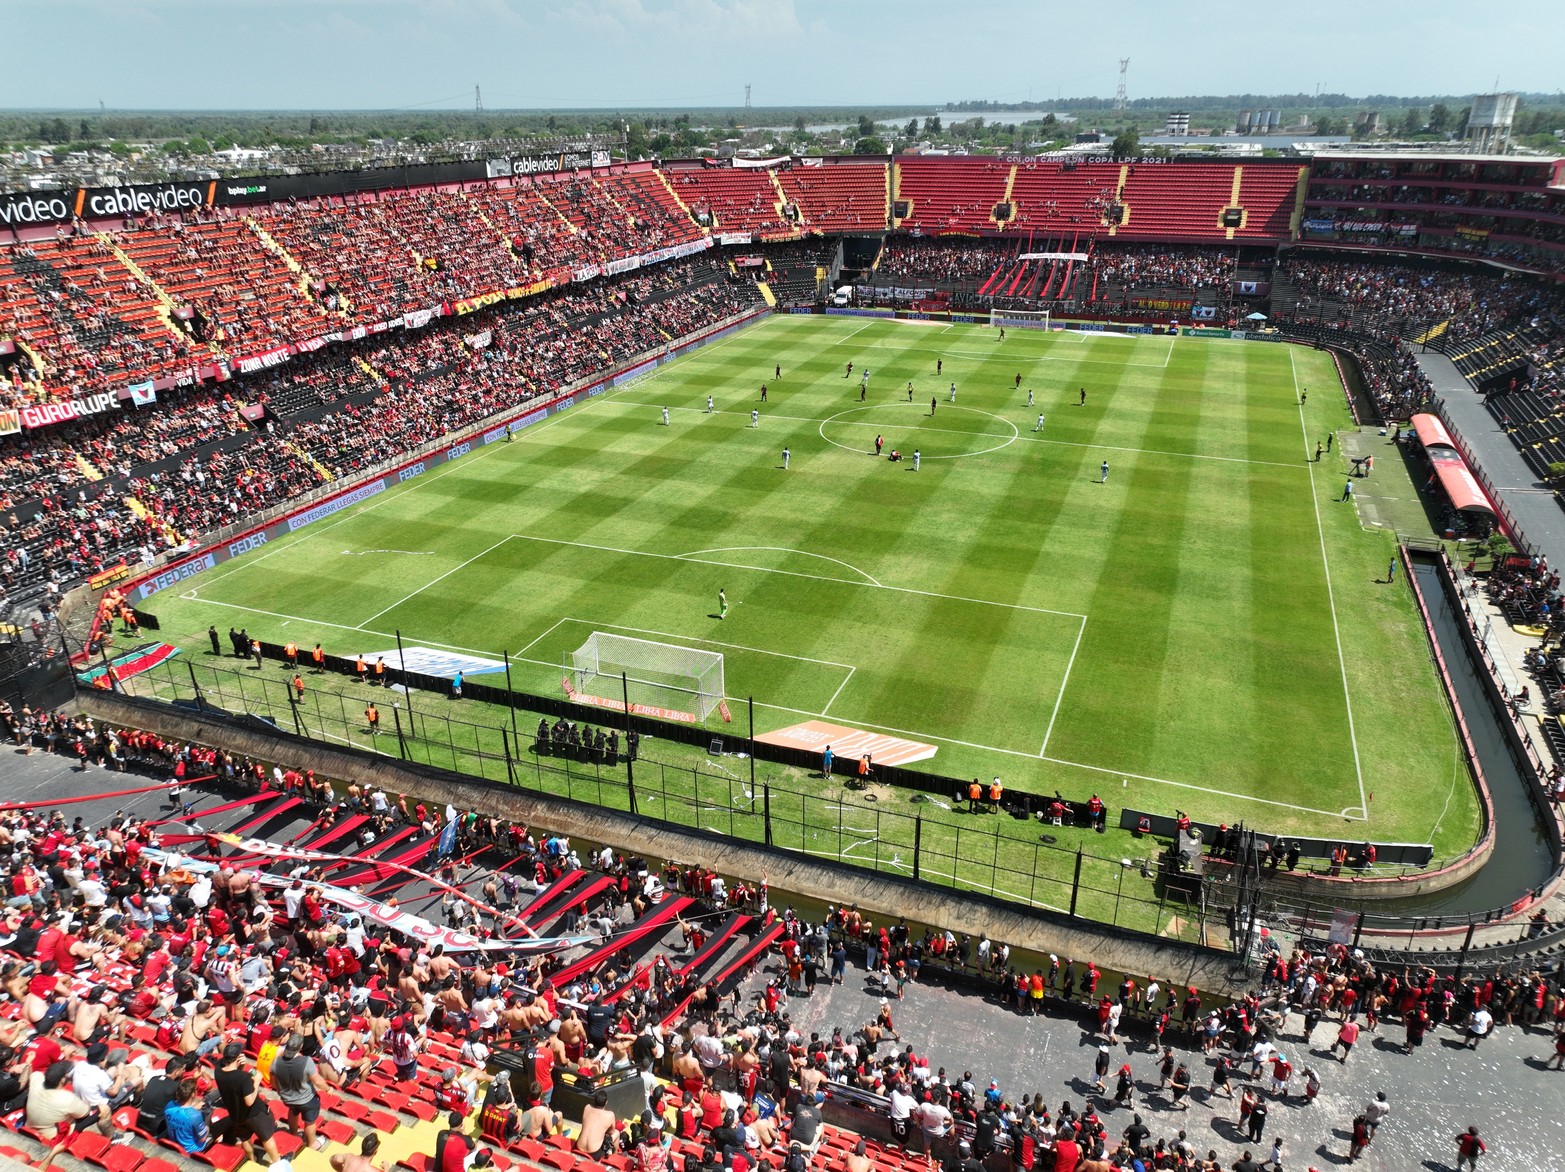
(292, 898)
(902, 1107)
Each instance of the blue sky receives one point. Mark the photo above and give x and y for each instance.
(369, 54)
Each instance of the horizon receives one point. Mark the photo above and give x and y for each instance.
(645, 55)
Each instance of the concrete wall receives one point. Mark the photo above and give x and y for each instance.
(806, 878)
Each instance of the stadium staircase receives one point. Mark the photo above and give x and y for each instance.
(88, 470)
(269, 242)
(1433, 334)
(325, 473)
(1272, 198)
(1495, 356)
(673, 194)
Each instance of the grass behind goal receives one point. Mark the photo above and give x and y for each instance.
(1204, 631)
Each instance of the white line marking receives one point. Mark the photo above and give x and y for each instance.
(542, 637)
(1222, 793)
(800, 574)
(838, 692)
(696, 556)
(442, 578)
(1060, 699)
(1008, 439)
(1331, 598)
(708, 642)
(980, 434)
(1028, 358)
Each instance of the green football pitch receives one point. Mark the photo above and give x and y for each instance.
(1205, 628)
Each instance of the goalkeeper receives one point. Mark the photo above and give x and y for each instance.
(722, 603)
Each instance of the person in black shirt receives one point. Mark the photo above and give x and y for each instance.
(599, 1017)
(806, 1124)
(1136, 1134)
(158, 1094)
(729, 1137)
(249, 1120)
(987, 1128)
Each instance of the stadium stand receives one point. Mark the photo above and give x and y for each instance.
(179, 300)
(1175, 201)
(734, 199)
(840, 198)
(947, 195)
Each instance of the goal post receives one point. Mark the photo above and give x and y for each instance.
(658, 675)
(1020, 319)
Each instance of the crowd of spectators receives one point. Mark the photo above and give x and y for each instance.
(1163, 266)
(192, 464)
(210, 971)
(930, 258)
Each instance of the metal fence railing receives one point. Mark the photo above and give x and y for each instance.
(1011, 859)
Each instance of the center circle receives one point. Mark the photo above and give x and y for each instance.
(840, 416)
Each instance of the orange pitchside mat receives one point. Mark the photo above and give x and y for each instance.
(849, 743)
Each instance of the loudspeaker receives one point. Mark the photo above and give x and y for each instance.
(1233, 217)
(899, 208)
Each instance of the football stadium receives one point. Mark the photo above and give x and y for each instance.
(561, 658)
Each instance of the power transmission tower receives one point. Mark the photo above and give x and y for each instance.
(747, 95)
(478, 100)
(1119, 94)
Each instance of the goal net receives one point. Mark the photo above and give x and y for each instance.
(1019, 319)
(658, 675)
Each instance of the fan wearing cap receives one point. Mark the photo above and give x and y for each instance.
(299, 1085)
(249, 1121)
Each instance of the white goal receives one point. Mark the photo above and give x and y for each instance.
(1019, 319)
(658, 675)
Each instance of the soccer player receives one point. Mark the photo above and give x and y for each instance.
(931, 406)
(755, 417)
(1040, 424)
(1104, 478)
(864, 378)
(722, 603)
(951, 398)
(1018, 373)
(1083, 402)
(863, 390)
(665, 417)
(939, 366)
(709, 404)
(849, 372)
(1002, 333)
(786, 454)
(777, 374)
(910, 390)
(915, 459)
(763, 392)
(880, 442)
(1029, 396)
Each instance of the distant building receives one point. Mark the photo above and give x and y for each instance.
(1489, 124)
(1178, 123)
